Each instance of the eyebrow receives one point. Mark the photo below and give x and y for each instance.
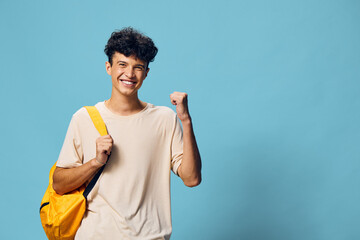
(140, 65)
(137, 65)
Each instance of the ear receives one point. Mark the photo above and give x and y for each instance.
(146, 73)
(108, 68)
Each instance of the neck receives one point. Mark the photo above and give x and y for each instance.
(125, 106)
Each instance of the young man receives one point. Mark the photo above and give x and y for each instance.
(131, 200)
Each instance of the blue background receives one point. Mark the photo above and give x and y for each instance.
(273, 91)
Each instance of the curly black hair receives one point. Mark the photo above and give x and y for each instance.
(131, 42)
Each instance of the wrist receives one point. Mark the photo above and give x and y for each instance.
(186, 120)
(96, 163)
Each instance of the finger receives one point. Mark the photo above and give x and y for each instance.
(104, 150)
(105, 145)
(175, 99)
(108, 151)
(179, 96)
(174, 95)
(101, 139)
(106, 137)
(106, 141)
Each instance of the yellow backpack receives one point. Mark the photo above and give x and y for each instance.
(61, 215)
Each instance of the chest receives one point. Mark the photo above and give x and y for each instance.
(134, 142)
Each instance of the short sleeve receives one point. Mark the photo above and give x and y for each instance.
(176, 147)
(71, 153)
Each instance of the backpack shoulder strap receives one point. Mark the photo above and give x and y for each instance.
(97, 120)
(101, 127)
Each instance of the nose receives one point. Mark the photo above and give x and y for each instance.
(129, 72)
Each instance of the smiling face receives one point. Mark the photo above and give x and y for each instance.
(127, 74)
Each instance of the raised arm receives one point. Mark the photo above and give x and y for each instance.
(190, 167)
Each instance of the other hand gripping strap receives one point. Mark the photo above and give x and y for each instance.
(100, 126)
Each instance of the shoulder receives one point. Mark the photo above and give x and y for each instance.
(80, 113)
(80, 116)
(162, 116)
(162, 111)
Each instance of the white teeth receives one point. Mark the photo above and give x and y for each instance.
(127, 82)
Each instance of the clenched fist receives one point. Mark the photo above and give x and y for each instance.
(179, 99)
(103, 148)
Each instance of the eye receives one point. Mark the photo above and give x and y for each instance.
(138, 68)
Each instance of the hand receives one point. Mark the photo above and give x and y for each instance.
(103, 148)
(179, 99)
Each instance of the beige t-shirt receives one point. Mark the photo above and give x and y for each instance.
(131, 199)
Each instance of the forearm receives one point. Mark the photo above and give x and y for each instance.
(190, 168)
(68, 179)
